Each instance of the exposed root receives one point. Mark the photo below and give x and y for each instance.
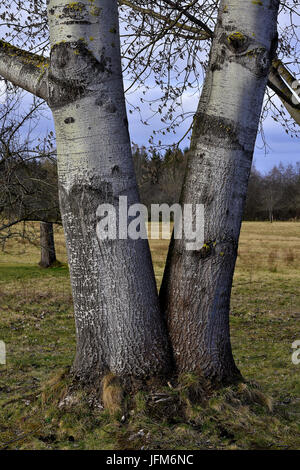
(134, 414)
(181, 396)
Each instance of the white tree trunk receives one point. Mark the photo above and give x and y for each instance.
(118, 321)
(195, 293)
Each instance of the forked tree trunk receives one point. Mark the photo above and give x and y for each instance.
(196, 288)
(48, 256)
(118, 321)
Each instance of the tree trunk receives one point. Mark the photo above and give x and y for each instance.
(48, 256)
(196, 288)
(284, 93)
(118, 321)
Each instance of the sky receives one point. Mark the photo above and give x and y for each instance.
(280, 146)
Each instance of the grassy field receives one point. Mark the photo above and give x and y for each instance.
(36, 323)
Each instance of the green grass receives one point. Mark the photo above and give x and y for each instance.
(37, 325)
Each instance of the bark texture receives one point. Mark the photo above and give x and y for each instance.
(118, 321)
(48, 256)
(282, 90)
(195, 293)
(24, 69)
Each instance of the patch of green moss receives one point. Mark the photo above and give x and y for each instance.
(24, 56)
(236, 36)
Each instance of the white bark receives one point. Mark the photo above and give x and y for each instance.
(196, 287)
(29, 71)
(117, 317)
(118, 321)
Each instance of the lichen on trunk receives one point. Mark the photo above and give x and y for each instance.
(195, 293)
(118, 321)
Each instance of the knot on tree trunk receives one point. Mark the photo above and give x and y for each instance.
(75, 69)
(238, 42)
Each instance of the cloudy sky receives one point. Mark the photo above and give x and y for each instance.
(280, 146)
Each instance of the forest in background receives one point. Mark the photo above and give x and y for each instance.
(28, 187)
(274, 195)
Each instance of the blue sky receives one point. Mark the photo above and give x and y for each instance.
(280, 146)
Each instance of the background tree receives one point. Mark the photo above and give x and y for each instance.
(282, 181)
(28, 177)
(160, 177)
(48, 255)
(253, 206)
(272, 192)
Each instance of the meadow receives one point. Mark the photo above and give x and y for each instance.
(37, 325)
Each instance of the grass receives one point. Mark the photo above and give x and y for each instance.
(37, 325)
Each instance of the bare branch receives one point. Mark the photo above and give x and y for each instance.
(191, 17)
(283, 71)
(147, 11)
(24, 69)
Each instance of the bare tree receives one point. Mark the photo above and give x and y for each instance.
(48, 255)
(196, 288)
(28, 189)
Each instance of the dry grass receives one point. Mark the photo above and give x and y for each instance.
(36, 322)
(112, 394)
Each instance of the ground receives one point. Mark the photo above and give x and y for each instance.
(36, 323)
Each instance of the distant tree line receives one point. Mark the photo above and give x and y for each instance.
(274, 195)
(271, 196)
(28, 186)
